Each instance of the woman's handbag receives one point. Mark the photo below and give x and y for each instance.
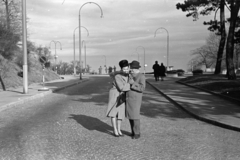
(121, 98)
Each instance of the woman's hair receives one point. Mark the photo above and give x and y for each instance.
(123, 63)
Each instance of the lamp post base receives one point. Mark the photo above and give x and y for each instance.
(43, 89)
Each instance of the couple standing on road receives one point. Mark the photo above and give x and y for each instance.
(159, 71)
(125, 97)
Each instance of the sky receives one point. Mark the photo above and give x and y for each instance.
(125, 31)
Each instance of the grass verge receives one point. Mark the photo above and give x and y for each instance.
(215, 83)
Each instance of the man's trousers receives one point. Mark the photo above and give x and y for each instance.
(135, 126)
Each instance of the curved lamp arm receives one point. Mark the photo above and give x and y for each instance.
(82, 27)
(161, 28)
(141, 47)
(59, 44)
(51, 43)
(90, 3)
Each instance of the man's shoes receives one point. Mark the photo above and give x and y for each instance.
(136, 136)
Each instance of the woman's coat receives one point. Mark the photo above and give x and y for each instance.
(120, 86)
(134, 97)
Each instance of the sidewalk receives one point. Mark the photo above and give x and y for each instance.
(201, 105)
(13, 97)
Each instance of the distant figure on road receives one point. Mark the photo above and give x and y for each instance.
(100, 70)
(162, 71)
(106, 69)
(110, 69)
(117, 97)
(114, 69)
(156, 70)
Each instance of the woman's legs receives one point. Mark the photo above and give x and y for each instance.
(114, 124)
(119, 121)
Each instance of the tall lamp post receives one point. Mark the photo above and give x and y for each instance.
(167, 43)
(84, 45)
(55, 56)
(74, 59)
(80, 32)
(24, 43)
(143, 57)
(105, 60)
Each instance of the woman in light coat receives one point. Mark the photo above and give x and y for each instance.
(116, 109)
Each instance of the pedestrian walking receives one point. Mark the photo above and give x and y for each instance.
(100, 70)
(114, 69)
(106, 69)
(156, 70)
(162, 71)
(117, 97)
(134, 98)
(110, 69)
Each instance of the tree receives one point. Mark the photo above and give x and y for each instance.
(207, 7)
(8, 43)
(12, 16)
(4, 68)
(10, 28)
(234, 6)
(237, 55)
(207, 54)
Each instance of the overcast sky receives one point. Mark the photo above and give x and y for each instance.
(126, 24)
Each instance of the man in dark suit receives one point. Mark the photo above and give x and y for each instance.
(134, 98)
(156, 70)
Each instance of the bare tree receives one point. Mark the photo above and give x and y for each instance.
(4, 68)
(207, 54)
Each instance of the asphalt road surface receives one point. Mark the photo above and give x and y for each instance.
(71, 125)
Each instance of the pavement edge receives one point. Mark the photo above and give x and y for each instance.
(207, 120)
(39, 95)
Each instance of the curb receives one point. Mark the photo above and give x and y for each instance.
(233, 100)
(22, 101)
(210, 121)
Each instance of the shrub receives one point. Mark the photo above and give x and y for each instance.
(172, 72)
(197, 72)
(180, 72)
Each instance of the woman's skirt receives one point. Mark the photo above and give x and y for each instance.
(115, 110)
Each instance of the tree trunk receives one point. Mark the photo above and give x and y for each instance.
(2, 83)
(223, 38)
(7, 14)
(235, 4)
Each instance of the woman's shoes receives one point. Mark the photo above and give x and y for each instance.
(118, 134)
(115, 135)
(121, 135)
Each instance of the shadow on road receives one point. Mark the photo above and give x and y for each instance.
(96, 90)
(155, 105)
(92, 123)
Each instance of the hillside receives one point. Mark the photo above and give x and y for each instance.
(9, 72)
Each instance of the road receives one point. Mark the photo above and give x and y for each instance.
(71, 125)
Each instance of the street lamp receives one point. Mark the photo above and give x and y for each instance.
(80, 31)
(24, 43)
(167, 43)
(74, 59)
(55, 56)
(83, 42)
(105, 60)
(144, 56)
